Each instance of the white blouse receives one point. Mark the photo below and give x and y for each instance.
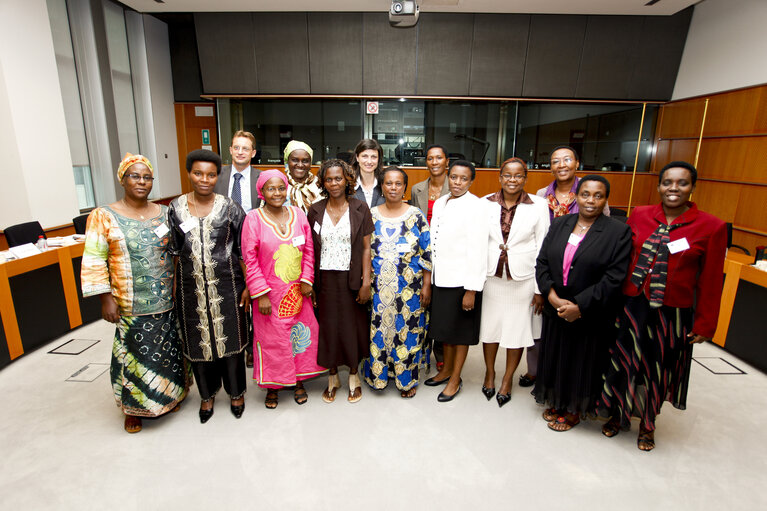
(336, 251)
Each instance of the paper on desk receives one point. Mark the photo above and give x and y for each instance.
(25, 250)
(60, 241)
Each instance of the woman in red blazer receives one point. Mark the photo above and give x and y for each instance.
(673, 291)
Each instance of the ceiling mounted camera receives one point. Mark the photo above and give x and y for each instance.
(403, 13)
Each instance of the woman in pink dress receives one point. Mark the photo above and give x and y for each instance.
(279, 256)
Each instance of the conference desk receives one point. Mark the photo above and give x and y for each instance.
(40, 300)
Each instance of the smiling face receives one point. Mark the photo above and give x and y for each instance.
(203, 176)
(299, 164)
(274, 192)
(513, 178)
(675, 187)
(591, 198)
(242, 151)
(137, 181)
(335, 182)
(393, 187)
(563, 165)
(436, 161)
(459, 180)
(368, 160)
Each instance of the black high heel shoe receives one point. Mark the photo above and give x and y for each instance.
(489, 393)
(237, 409)
(205, 415)
(503, 399)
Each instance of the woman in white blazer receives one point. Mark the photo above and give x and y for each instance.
(512, 303)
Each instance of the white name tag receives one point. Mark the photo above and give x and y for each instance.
(189, 225)
(678, 245)
(299, 240)
(403, 248)
(317, 227)
(574, 240)
(161, 230)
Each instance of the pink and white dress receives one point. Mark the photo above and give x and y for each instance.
(284, 342)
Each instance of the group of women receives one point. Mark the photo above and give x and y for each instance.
(342, 271)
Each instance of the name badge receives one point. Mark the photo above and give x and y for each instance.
(574, 240)
(317, 227)
(678, 245)
(189, 225)
(299, 240)
(403, 248)
(161, 230)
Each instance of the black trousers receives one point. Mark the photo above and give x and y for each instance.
(228, 370)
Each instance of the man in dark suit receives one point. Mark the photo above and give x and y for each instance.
(238, 181)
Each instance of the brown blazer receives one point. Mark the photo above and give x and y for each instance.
(419, 195)
(361, 225)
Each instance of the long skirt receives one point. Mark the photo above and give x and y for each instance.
(570, 361)
(507, 316)
(148, 370)
(649, 363)
(344, 323)
(450, 324)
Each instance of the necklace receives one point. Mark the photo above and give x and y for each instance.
(280, 223)
(583, 227)
(129, 208)
(335, 215)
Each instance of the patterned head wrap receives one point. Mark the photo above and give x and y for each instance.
(292, 146)
(130, 160)
(265, 176)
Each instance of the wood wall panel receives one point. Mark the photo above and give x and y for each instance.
(741, 112)
(748, 240)
(673, 150)
(681, 119)
(734, 159)
(750, 212)
(719, 199)
(189, 135)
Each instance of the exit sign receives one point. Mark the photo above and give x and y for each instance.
(206, 137)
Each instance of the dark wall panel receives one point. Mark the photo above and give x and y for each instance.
(659, 52)
(335, 52)
(225, 44)
(607, 63)
(184, 62)
(553, 55)
(498, 54)
(282, 52)
(388, 56)
(444, 53)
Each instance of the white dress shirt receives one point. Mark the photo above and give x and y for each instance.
(459, 230)
(368, 194)
(246, 204)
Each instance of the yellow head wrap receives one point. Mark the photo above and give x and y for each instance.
(129, 160)
(292, 146)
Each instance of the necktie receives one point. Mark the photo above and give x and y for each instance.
(236, 192)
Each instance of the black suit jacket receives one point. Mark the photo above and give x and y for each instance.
(361, 225)
(222, 185)
(597, 270)
(378, 199)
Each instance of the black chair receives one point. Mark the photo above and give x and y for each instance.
(19, 234)
(618, 214)
(79, 222)
(729, 240)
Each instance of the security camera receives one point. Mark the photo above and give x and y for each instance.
(403, 13)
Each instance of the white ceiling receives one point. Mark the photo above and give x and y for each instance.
(662, 7)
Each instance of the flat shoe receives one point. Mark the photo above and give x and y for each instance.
(526, 381)
(444, 398)
(132, 424)
(646, 440)
(237, 410)
(205, 415)
(300, 396)
(503, 399)
(489, 393)
(431, 382)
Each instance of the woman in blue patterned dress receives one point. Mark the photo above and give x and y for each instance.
(401, 289)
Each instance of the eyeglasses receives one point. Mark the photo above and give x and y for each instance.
(515, 177)
(566, 159)
(238, 148)
(137, 177)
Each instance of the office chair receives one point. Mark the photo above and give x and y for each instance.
(79, 223)
(729, 240)
(19, 234)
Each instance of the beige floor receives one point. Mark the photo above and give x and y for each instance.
(63, 447)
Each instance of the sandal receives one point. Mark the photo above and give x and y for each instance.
(132, 424)
(611, 428)
(334, 383)
(355, 388)
(299, 395)
(564, 422)
(408, 394)
(271, 399)
(550, 414)
(176, 409)
(646, 439)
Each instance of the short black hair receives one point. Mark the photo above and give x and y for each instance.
(464, 163)
(351, 182)
(680, 164)
(594, 177)
(575, 153)
(391, 168)
(436, 146)
(203, 155)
